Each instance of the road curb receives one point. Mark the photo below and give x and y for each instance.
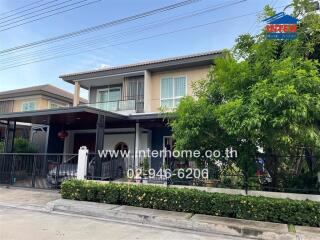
(200, 223)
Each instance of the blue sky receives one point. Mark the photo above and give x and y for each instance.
(211, 37)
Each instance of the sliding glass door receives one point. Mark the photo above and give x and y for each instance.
(108, 99)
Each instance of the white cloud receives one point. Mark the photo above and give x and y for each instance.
(102, 66)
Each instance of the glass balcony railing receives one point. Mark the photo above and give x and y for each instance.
(120, 105)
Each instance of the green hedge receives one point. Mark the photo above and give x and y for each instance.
(287, 211)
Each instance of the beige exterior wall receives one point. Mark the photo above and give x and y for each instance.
(192, 75)
(41, 103)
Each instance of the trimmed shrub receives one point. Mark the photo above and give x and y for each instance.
(286, 211)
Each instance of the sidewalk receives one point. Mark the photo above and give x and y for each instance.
(197, 222)
(50, 201)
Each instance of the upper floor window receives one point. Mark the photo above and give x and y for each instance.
(109, 94)
(108, 99)
(53, 105)
(172, 90)
(28, 106)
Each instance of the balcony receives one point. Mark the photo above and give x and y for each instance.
(129, 106)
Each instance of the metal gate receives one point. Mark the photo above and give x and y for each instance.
(107, 167)
(35, 170)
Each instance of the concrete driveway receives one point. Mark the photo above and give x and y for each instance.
(23, 196)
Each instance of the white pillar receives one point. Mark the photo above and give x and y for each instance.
(76, 94)
(82, 163)
(137, 145)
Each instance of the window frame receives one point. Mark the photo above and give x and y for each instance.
(28, 102)
(107, 105)
(174, 98)
(58, 105)
(107, 88)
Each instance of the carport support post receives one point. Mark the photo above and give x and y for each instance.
(99, 144)
(10, 135)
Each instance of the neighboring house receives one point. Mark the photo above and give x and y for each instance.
(35, 98)
(32, 99)
(124, 106)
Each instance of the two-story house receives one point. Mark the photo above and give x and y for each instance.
(124, 109)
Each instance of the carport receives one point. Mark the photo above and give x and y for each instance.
(63, 119)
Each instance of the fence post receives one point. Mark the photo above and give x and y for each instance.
(82, 163)
(33, 181)
(11, 182)
(246, 186)
(318, 180)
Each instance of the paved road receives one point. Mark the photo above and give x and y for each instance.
(21, 196)
(18, 224)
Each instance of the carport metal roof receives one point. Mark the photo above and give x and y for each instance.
(80, 117)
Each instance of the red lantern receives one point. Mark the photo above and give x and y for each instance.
(62, 134)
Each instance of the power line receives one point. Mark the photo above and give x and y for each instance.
(56, 13)
(13, 10)
(86, 44)
(152, 25)
(101, 26)
(132, 41)
(32, 12)
(26, 10)
(38, 13)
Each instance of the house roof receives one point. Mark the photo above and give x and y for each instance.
(47, 90)
(199, 59)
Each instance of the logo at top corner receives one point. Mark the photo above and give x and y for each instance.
(281, 26)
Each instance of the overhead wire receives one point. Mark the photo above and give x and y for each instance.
(100, 26)
(135, 40)
(24, 6)
(55, 12)
(137, 29)
(32, 12)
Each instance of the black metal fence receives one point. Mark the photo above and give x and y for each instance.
(36, 170)
(291, 174)
(288, 174)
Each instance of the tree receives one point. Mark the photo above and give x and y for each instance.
(263, 93)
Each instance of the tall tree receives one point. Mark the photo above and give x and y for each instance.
(262, 94)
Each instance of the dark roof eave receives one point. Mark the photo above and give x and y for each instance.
(150, 116)
(177, 62)
(15, 115)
